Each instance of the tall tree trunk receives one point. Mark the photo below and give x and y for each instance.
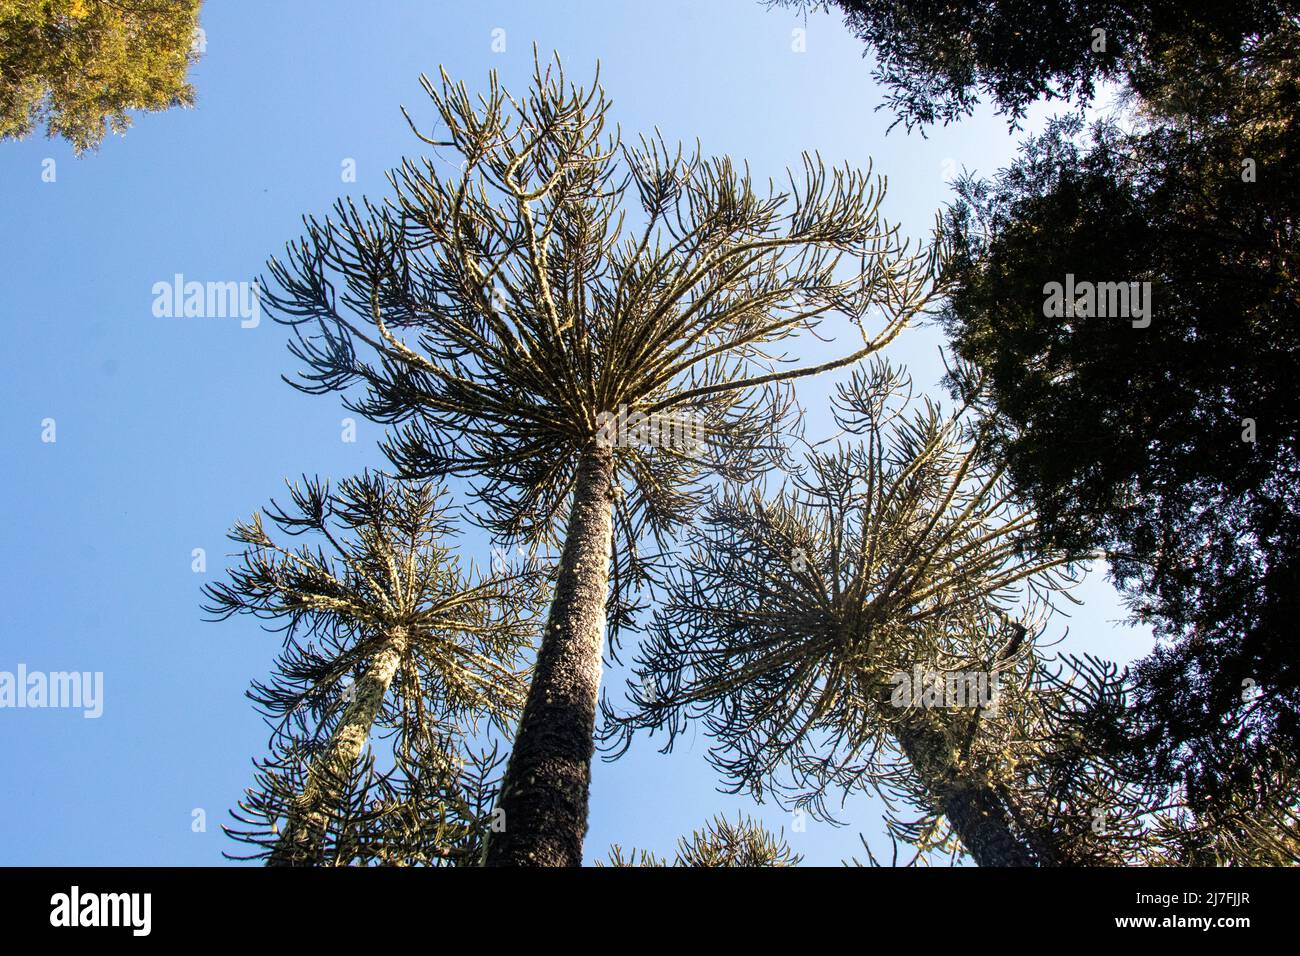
(544, 793)
(303, 841)
(973, 809)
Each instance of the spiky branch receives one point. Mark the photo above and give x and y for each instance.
(536, 276)
(721, 843)
(789, 629)
(382, 630)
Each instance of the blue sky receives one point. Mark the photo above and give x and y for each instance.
(170, 428)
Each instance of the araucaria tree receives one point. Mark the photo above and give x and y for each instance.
(536, 281)
(745, 843)
(1082, 796)
(871, 625)
(383, 631)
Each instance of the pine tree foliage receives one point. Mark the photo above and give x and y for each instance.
(383, 631)
(938, 59)
(721, 843)
(78, 66)
(536, 280)
(433, 807)
(1253, 822)
(1172, 446)
(788, 626)
(1083, 798)
(544, 272)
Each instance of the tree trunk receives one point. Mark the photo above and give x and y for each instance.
(544, 794)
(303, 840)
(973, 809)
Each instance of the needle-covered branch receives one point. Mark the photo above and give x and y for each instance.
(788, 629)
(591, 332)
(537, 273)
(383, 632)
(721, 843)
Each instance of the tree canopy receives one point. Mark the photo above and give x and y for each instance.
(551, 274)
(383, 631)
(78, 66)
(1169, 447)
(786, 632)
(721, 843)
(536, 280)
(938, 58)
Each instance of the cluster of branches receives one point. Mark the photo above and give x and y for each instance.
(433, 807)
(1078, 790)
(1173, 451)
(508, 298)
(792, 617)
(495, 313)
(795, 615)
(938, 58)
(384, 633)
(549, 273)
(721, 843)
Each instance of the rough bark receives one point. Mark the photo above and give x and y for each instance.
(973, 809)
(544, 793)
(303, 841)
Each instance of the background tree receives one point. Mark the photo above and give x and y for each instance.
(1173, 447)
(77, 65)
(1252, 821)
(382, 630)
(938, 58)
(787, 630)
(745, 843)
(554, 277)
(1068, 785)
(1082, 796)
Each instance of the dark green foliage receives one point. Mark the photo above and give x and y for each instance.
(1131, 439)
(1084, 797)
(78, 66)
(938, 58)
